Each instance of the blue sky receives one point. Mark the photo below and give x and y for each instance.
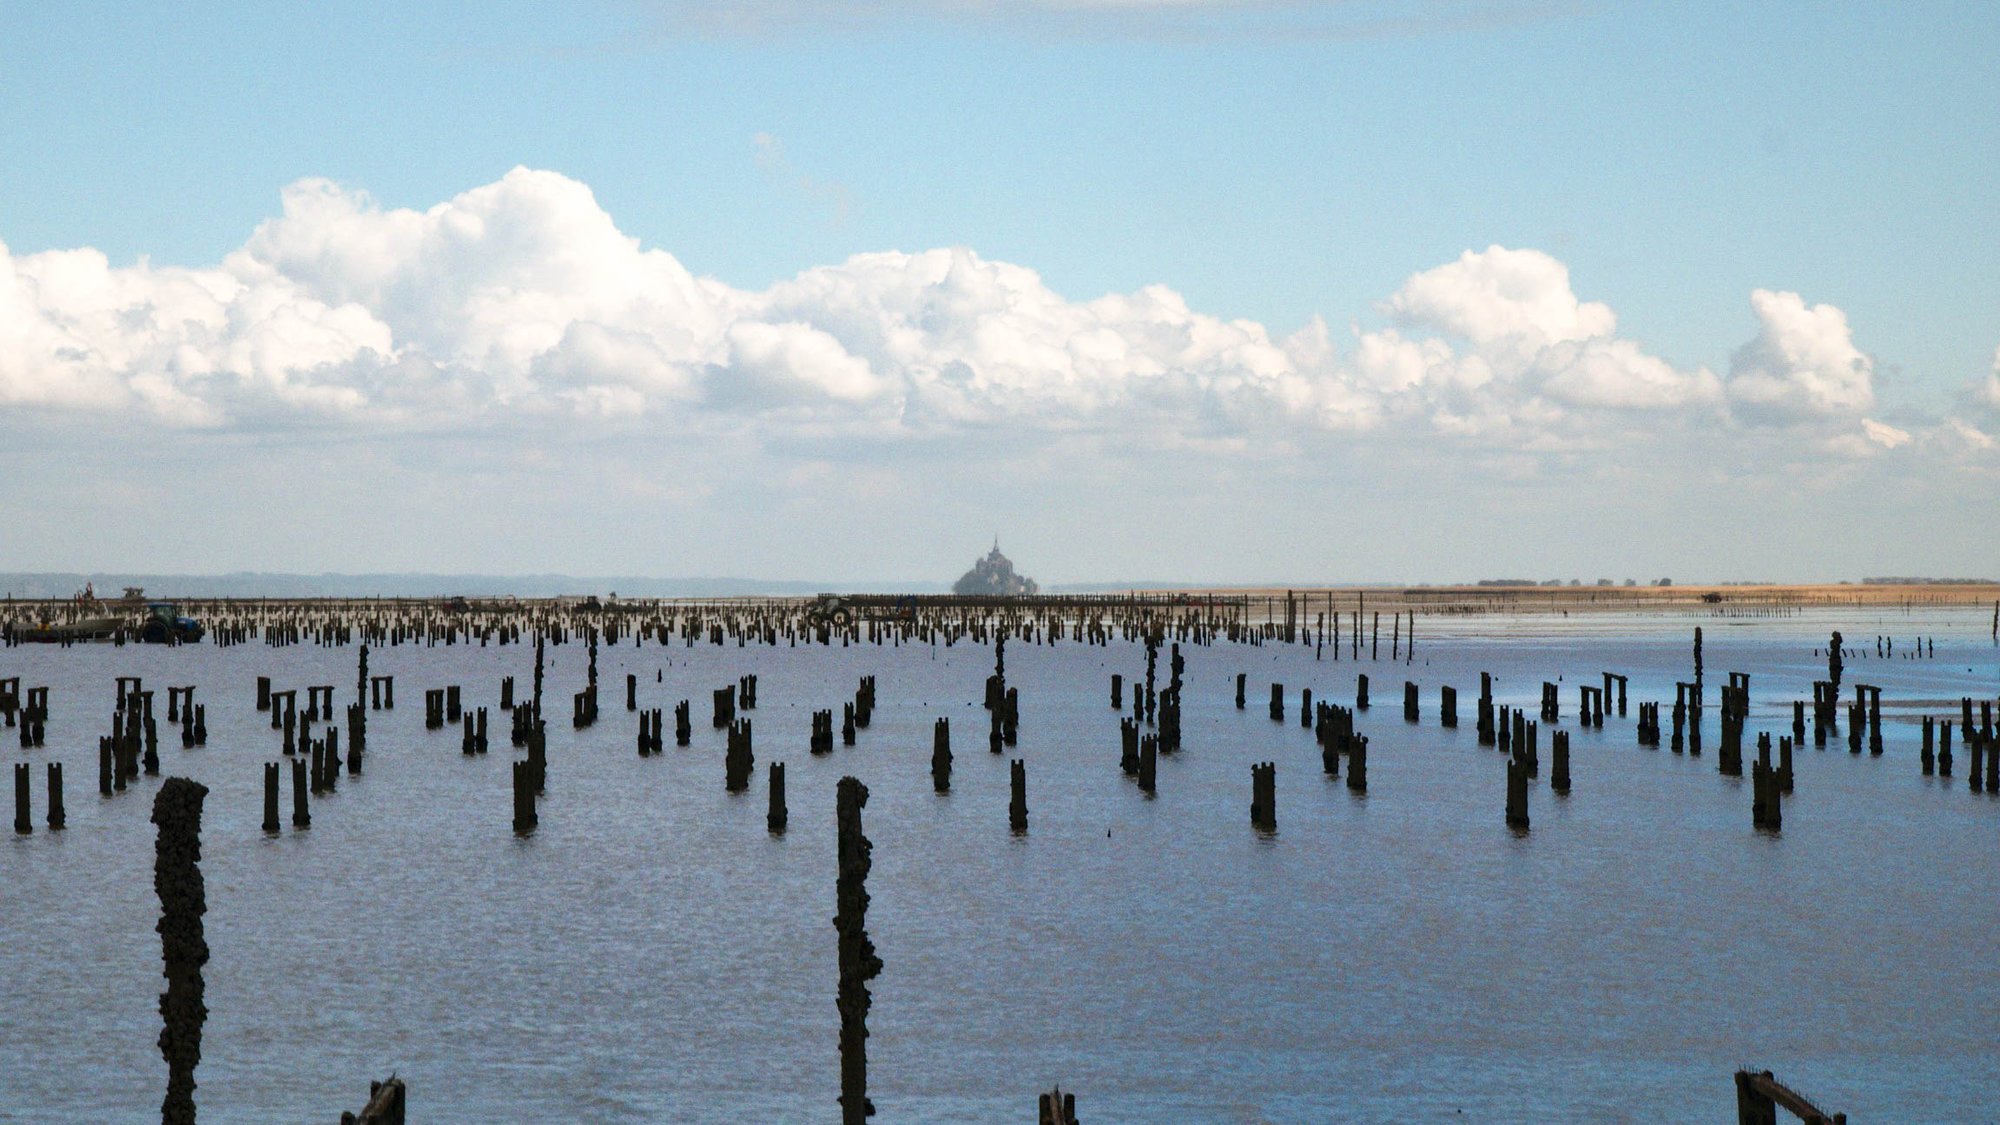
(1272, 162)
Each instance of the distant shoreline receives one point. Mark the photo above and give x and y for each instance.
(1265, 602)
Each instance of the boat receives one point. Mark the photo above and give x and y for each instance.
(86, 617)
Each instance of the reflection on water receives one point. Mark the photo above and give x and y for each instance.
(652, 953)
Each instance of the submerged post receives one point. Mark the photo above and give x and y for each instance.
(177, 880)
(858, 963)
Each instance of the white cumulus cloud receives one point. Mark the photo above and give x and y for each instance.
(520, 302)
(1802, 365)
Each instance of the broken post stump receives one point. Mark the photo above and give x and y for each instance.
(775, 818)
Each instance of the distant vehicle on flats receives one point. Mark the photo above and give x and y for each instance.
(840, 612)
(164, 625)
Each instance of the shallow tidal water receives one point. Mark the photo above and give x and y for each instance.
(652, 953)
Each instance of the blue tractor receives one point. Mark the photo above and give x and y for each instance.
(164, 625)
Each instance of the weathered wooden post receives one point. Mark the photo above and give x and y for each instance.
(1357, 764)
(1517, 794)
(739, 759)
(941, 755)
(1240, 678)
(1361, 692)
(1117, 692)
(1559, 762)
(386, 1104)
(525, 817)
(1448, 706)
(270, 796)
(1409, 701)
(1017, 804)
(57, 818)
(1927, 755)
(1263, 796)
(775, 818)
(858, 962)
(1944, 749)
(1277, 703)
(1056, 1108)
(1487, 735)
(24, 816)
(1766, 807)
(301, 811)
(183, 948)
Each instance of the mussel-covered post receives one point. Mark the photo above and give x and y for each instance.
(183, 947)
(858, 962)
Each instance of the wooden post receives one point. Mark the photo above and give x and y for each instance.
(57, 818)
(1056, 1108)
(183, 950)
(270, 796)
(1017, 806)
(1517, 794)
(301, 810)
(941, 755)
(775, 818)
(24, 817)
(525, 817)
(1263, 796)
(858, 962)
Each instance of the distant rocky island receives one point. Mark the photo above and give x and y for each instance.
(993, 576)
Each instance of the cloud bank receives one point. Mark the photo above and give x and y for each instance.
(521, 303)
